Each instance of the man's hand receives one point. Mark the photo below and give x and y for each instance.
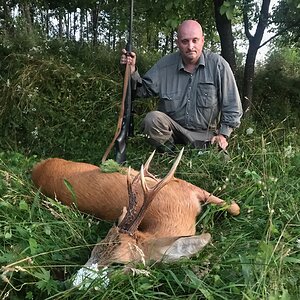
(220, 140)
(128, 58)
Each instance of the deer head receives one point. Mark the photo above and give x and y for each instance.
(124, 243)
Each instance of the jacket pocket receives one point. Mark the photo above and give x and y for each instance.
(207, 96)
(170, 103)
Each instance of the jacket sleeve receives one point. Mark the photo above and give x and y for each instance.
(148, 86)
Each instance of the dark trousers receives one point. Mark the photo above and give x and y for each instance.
(160, 129)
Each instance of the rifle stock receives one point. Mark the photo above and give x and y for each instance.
(127, 122)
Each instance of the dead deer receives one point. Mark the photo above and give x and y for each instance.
(157, 217)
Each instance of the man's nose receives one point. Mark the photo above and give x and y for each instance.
(191, 45)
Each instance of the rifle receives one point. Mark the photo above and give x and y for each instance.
(125, 121)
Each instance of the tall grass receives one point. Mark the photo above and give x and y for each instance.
(62, 100)
(253, 256)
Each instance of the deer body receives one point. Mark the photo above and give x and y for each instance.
(160, 219)
(105, 194)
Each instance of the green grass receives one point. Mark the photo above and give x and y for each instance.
(253, 256)
(62, 99)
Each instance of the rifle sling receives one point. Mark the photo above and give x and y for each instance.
(121, 114)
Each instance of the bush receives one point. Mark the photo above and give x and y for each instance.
(277, 89)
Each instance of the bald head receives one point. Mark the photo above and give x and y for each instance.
(191, 27)
(190, 41)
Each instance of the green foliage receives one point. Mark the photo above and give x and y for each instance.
(228, 8)
(57, 98)
(277, 88)
(110, 166)
(286, 17)
(253, 256)
(47, 92)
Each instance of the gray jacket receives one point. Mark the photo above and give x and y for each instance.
(207, 99)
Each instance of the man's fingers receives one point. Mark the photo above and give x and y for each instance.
(222, 142)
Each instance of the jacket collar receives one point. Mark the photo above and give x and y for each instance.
(201, 61)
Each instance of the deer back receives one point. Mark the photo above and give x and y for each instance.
(105, 194)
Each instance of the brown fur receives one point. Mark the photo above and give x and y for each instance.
(105, 194)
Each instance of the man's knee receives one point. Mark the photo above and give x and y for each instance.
(154, 119)
(156, 126)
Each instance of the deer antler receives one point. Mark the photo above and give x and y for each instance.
(132, 219)
(131, 211)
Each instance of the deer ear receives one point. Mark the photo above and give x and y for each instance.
(186, 246)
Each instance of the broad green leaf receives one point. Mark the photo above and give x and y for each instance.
(229, 14)
(33, 245)
(47, 230)
(8, 235)
(23, 205)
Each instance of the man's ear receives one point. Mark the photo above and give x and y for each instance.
(185, 247)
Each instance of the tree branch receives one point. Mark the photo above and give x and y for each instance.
(246, 23)
(280, 32)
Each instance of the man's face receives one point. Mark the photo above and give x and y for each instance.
(190, 42)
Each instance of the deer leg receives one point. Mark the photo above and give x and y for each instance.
(233, 208)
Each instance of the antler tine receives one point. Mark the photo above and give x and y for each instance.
(146, 167)
(150, 193)
(165, 180)
(131, 211)
(149, 160)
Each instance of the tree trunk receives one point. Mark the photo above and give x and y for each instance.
(60, 22)
(47, 22)
(166, 46)
(8, 18)
(172, 41)
(254, 44)
(75, 15)
(67, 24)
(225, 32)
(25, 10)
(81, 21)
(249, 77)
(95, 16)
(87, 25)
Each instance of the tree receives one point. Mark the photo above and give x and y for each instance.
(224, 27)
(254, 44)
(286, 18)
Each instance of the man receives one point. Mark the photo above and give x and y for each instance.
(199, 100)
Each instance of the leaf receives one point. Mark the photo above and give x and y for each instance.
(29, 295)
(8, 233)
(247, 269)
(23, 205)
(177, 280)
(229, 14)
(71, 190)
(33, 245)
(223, 10)
(45, 283)
(47, 230)
(226, 4)
(43, 275)
(293, 260)
(198, 283)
